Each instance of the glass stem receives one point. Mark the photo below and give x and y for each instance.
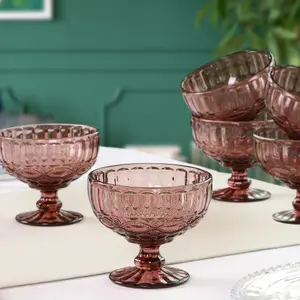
(239, 180)
(296, 204)
(49, 202)
(149, 258)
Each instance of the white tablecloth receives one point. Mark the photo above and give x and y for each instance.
(210, 279)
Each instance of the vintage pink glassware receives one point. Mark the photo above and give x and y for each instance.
(230, 88)
(48, 157)
(231, 144)
(279, 156)
(283, 98)
(149, 204)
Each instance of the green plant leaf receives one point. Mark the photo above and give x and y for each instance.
(248, 18)
(267, 4)
(274, 15)
(222, 7)
(244, 12)
(253, 39)
(229, 35)
(235, 43)
(294, 10)
(282, 52)
(215, 18)
(293, 57)
(284, 33)
(273, 45)
(203, 12)
(18, 3)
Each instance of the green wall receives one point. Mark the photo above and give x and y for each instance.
(116, 64)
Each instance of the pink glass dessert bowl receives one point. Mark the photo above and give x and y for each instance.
(279, 156)
(230, 88)
(48, 157)
(232, 145)
(283, 98)
(149, 205)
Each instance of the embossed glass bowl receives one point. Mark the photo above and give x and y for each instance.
(279, 156)
(149, 204)
(231, 144)
(283, 98)
(48, 157)
(230, 88)
(277, 283)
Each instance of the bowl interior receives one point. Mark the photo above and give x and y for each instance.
(234, 129)
(150, 175)
(47, 131)
(227, 70)
(278, 155)
(287, 78)
(271, 133)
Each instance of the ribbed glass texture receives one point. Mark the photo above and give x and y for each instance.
(232, 145)
(149, 204)
(48, 157)
(283, 98)
(230, 88)
(278, 155)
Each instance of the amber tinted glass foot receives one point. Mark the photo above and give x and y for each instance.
(236, 195)
(288, 217)
(40, 218)
(149, 279)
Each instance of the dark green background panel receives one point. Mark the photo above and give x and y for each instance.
(115, 64)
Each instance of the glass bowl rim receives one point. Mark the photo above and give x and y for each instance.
(273, 83)
(96, 132)
(92, 180)
(236, 123)
(251, 78)
(258, 137)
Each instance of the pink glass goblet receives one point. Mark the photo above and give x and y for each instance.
(283, 98)
(230, 88)
(48, 157)
(149, 204)
(231, 144)
(279, 156)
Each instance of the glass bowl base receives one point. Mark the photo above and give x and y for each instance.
(287, 217)
(149, 279)
(42, 218)
(236, 195)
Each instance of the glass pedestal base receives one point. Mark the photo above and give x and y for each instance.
(44, 218)
(287, 217)
(149, 279)
(240, 195)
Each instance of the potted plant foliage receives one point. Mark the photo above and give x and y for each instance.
(272, 24)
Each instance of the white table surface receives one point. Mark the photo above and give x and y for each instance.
(211, 279)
